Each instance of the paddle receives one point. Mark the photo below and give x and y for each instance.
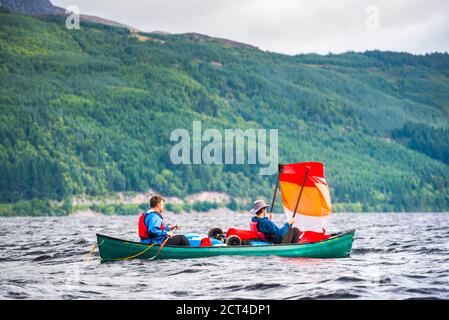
(163, 244)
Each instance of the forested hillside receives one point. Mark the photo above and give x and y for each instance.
(90, 111)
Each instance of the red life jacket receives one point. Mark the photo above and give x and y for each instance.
(253, 228)
(143, 228)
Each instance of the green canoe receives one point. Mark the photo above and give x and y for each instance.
(337, 246)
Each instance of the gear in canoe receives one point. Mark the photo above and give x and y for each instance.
(305, 193)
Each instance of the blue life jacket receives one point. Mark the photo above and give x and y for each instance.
(270, 230)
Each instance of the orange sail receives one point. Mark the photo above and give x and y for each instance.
(314, 207)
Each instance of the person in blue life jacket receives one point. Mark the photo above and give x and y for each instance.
(154, 230)
(272, 233)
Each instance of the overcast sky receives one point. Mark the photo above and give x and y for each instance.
(290, 26)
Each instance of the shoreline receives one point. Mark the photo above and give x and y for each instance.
(133, 203)
(213, 212)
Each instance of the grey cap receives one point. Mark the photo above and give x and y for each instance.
(257, 205)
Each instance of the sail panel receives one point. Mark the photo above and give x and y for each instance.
(315, 205)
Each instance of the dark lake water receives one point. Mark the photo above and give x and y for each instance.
(395, 256)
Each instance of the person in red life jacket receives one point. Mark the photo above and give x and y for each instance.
(152, 228)
(270, 231)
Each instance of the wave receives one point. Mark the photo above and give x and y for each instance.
(367, 250)
(185, 271)
(349, 279)
(43, 258)
(336, 295)
(263, 286)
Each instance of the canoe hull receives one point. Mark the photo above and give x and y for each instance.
(113, 249)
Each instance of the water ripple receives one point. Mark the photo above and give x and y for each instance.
(44, 258)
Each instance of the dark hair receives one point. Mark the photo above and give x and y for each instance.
(260, 210)
(155, 200)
